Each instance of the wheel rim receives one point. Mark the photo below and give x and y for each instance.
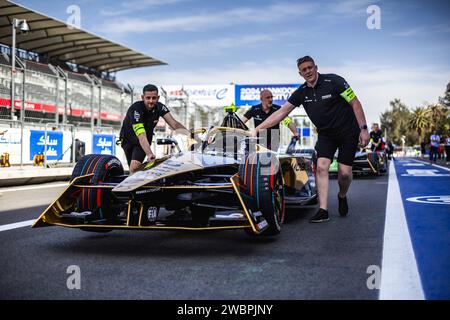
(278, 196)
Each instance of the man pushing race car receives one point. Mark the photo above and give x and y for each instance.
(140, 121)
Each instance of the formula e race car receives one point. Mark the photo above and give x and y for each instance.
(367, 162)
(225, 181)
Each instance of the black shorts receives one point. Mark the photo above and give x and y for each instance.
(133, 152)
(347, 144)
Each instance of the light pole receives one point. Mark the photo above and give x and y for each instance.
(23, 25)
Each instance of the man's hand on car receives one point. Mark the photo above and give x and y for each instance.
(151, 157)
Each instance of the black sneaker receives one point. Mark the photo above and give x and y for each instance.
(343, 206)
(320, 216)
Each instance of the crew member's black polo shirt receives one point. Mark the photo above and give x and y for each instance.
(376, 136)
(259, 115)
(327, 104)
(140, 119)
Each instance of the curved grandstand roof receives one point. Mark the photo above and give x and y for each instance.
(55, 39)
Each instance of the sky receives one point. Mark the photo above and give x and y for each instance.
(384, 49)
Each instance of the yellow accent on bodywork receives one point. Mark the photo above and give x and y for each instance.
(235, 182)
(231, 107)
(286, 121)
(348, 95)
(138, 128)
(149, 165)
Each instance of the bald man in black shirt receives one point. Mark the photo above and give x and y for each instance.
(261, 112)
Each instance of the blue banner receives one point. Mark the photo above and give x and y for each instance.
(54, 144)
(306, 132)
(103, 144)
(248, 95)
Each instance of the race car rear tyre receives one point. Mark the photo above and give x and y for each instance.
(99, 201)
(261, 183)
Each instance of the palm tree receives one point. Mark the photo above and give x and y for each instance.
(420, 120)
(437, 113)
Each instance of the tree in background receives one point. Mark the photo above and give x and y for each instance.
(445, 101)
(420, 121)
(437, 114)
(399, 121)
(394, 123)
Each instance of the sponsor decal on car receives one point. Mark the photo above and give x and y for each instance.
(148, 190)
(152, 213)
(113, 161)
(263, 224)
(255, 214)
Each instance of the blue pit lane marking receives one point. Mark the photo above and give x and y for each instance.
(425, 192)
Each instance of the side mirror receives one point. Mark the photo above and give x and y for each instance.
(170, 142)
(166, 141)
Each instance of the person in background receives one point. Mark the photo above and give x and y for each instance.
(447, 150)
(261, 112)
(390, 150)
(434, 145)
(423, 149)
(376, 138)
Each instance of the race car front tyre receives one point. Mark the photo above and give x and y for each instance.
(261, 183)
(81, 166)
(98, 201)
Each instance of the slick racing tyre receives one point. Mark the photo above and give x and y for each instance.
(99, 201)
(261, 183)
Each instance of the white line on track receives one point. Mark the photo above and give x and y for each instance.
(434, 165)
(46, 186)
(16, 225)
(400, 278)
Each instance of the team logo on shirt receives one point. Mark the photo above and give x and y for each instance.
(137, 116)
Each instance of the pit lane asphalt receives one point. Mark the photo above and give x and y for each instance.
(306, 261)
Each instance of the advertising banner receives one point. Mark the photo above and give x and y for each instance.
(306, 132)
(248, 94)
(54, 144)
(103, 144)
(207, 95)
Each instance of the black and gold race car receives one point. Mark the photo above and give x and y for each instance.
(225, 181)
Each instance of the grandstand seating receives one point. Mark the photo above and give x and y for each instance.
(39, 67)
(41, 88)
